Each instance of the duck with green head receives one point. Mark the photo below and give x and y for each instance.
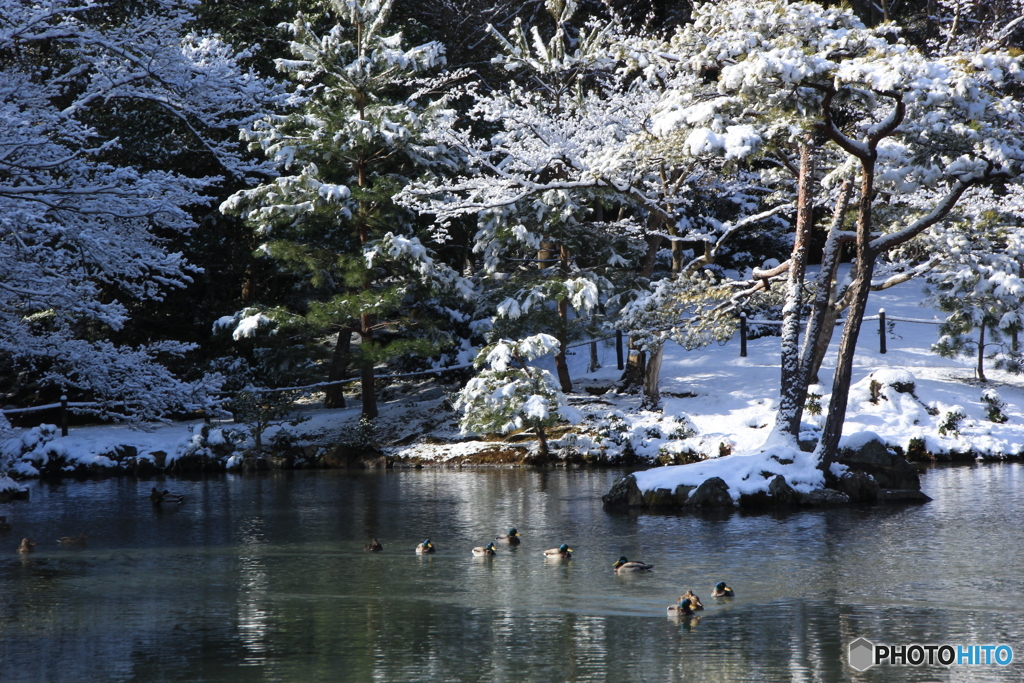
(695, 602)
(684, 608)
(562, 552)
(623, 565)
(722, 591)
(511, 538)
(425, 548)
(485, 551)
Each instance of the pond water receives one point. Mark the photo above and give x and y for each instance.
(264, 578)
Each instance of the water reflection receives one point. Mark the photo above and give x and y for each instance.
(265, 578)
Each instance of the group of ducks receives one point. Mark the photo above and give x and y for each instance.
(512, 538)
(160, 499)
(688, 601)
(28, 546)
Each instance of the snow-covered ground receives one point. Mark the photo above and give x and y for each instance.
(717, 407)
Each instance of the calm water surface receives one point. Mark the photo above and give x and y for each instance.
(264, 578)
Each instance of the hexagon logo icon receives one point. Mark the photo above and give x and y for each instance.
(862, 653)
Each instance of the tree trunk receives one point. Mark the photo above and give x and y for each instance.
(794, 382)
(561, 366)
(865, 267)
(824, 310)
(595, 362)
(542, 441)
(981, 353)
(339, 366)
(652, 373)
(563, 332)
(824, 338)
(368, 390)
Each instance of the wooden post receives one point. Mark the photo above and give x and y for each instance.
(618, 350)
(881, 330)
(63, 415)
(743, 335)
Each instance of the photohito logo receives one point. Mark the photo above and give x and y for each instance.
(864, 654)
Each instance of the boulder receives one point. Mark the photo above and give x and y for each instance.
(824, 497)
(781, 492)
(902, 496)
(682, 493)
(658, 498)
(713, 493)
(889, 470)
(860, 487)
(624, 493)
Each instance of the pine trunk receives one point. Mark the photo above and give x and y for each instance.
(652, 396)
(981, 354)
(865, 266)
(793, 381)
(561, 365)
(335, 397)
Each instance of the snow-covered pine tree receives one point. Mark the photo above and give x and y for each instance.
(916, 132)
(509, 394)
(686, 309)
(83, 227)
(548, 182)
(979, 281)
(355, 135)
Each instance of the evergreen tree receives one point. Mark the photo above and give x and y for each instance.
(356, 133)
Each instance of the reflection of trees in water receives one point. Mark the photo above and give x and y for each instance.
(253, 612)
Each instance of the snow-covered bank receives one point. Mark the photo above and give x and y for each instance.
(717, 411)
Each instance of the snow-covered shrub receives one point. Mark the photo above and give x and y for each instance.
(951, 422)
(510, 394)
(204, 451)
(994, 407)
(361, 436)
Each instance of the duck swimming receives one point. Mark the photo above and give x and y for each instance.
(373, 546)
(624, 565)
(683, 608)
(485, 551)
(695, 602)
(72, 540)
(722, 591)
(26, 546)
(424, 548)
(165, 498)
(562, 552)
(511, 538)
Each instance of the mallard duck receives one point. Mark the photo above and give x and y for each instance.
(166, 499)
(722, 591)
(562, 552)
(695, 602)
(624, 565)
(26, 546)
(4, 524)
(425, 547)
(682, 609)
(72, 540)
(373, 546)
(486, 551)
(512, 538)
